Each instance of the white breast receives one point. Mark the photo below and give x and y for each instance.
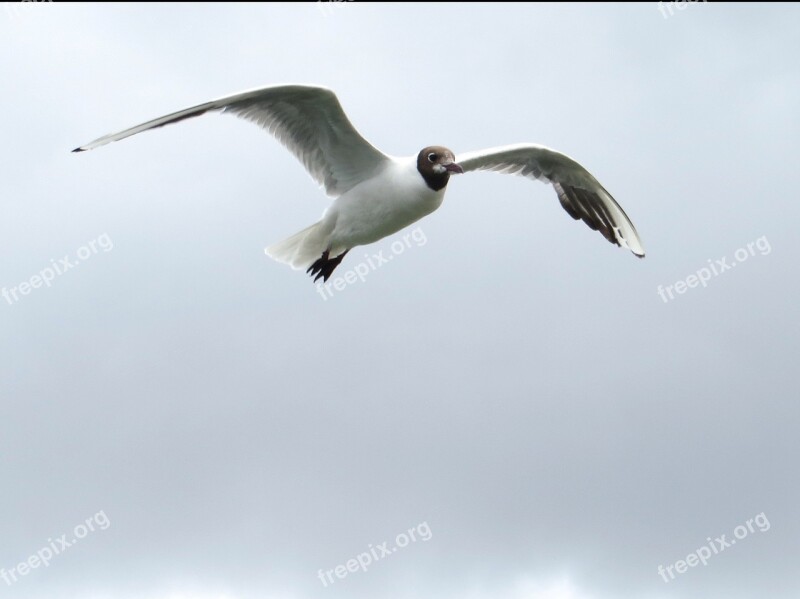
(383, 205)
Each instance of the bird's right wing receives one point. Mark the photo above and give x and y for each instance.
(580, 193)
(308, 121)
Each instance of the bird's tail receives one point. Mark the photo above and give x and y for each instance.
(302, 249)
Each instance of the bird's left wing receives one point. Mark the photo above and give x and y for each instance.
(308, 120)
(580, 193)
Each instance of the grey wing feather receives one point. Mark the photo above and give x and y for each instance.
(580, 194)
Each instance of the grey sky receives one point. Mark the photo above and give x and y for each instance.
(515, 382)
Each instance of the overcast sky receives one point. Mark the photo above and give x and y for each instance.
(509, 386)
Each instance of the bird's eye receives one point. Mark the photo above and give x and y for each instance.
(431, 157)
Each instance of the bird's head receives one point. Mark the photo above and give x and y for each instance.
(436, 164)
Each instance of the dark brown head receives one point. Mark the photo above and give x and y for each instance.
(436, 164)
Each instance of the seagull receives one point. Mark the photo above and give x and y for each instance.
(377, 195)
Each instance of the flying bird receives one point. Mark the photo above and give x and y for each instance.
(377, 194)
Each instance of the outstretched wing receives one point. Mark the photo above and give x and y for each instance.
(580, 193)
(309, 121)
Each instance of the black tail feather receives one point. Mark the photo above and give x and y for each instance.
(324, 266)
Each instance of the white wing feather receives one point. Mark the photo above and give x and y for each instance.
(308, 121)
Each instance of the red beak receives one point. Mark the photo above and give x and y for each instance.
(454, 168)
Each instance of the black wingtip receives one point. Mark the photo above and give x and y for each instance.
(78, 150)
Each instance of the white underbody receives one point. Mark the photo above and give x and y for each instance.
(375, 208)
